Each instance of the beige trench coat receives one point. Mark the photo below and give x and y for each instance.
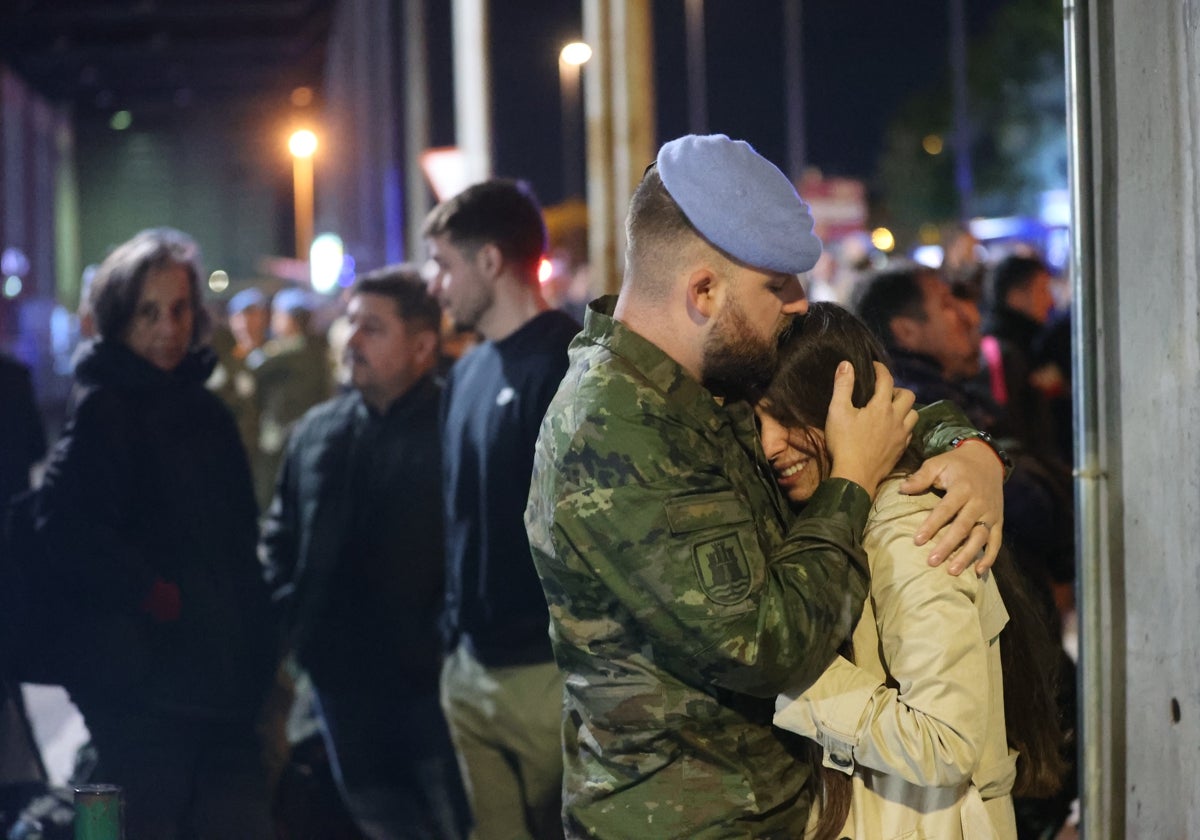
(918, 719)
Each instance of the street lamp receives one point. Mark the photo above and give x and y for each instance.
(302, 144)
(570, 59)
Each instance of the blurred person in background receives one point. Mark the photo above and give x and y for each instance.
(1019, 300)
(291, 375)
(501, 690)
(930, 336)
(22, 444)
(22, 433)
(149, 523)
(353, 549)
(232, 379)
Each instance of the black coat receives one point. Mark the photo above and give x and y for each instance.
(149, 480)
(353, 542)
(22, 439)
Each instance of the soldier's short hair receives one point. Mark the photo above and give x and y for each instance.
(501, 212)
(115, 289)
(403, 284)
(654, 220)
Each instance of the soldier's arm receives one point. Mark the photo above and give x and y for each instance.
(963, 463)
(715, 593)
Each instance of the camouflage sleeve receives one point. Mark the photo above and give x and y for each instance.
(939, 424)
(717, 591)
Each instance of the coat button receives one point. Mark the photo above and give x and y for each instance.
(840, 759)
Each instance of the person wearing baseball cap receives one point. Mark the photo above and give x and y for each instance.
(684, 595)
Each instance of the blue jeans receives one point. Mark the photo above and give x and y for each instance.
(394, 764)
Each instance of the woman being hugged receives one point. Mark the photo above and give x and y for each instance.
(909, 725)
(150, 527)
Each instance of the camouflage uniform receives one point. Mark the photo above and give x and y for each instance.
(291, 375)
(233, 381)
(683, 597)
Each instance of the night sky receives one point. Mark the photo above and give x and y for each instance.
(862, 59)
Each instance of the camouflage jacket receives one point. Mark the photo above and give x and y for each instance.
(683, 596)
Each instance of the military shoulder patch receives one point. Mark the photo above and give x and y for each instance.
(722, 569)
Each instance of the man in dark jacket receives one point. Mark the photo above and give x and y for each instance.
(353, 548)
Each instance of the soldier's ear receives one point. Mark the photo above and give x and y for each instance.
(703, 293)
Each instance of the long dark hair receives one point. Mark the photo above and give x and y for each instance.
(798, 397)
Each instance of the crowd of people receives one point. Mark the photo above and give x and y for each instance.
(697, 567)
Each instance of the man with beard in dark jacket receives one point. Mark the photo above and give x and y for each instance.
(353, 548)
(148, 516)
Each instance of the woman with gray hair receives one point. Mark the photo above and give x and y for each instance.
(149, 522)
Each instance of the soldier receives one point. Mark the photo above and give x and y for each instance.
(291, 375)
(232, 380)
(683, 595)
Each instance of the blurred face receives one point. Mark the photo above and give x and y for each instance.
(283, 324)
(249, 327)
(161, 328)
(459, 283)
(384, 354)
(969, 364)
(1036, 299)
(741, 347)
(945, 334)
(796, 455)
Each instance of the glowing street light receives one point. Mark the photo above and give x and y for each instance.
(303, 145)
(575, 53)
(572, 56)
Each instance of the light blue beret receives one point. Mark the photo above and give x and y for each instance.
(740, 202)
(245, 299)
(291, 299)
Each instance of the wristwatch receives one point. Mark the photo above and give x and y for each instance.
(975, 434)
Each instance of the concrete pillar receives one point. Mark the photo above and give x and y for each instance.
(1134, 71)
(619, 94)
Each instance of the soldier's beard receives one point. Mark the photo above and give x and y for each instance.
(739, 360)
